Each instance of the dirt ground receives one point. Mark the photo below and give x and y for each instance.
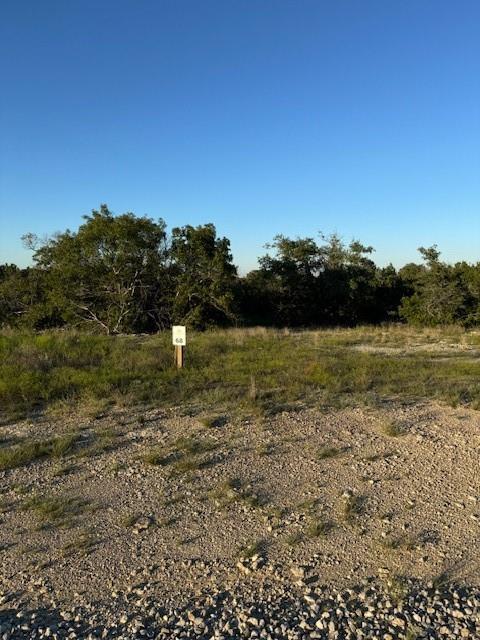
(329, 497)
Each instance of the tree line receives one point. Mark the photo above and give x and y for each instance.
(126, 274)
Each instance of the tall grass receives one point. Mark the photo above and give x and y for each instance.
(38, 371)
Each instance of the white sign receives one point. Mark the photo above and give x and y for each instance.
(179, 336)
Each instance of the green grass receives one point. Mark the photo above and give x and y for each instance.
(328, 452)
(25, 452)
(56, 510)
(241, 371)
(184, 456)
(233, 490)
(318, 528)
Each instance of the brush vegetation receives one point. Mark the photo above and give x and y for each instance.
(62, 370)
(126, 274)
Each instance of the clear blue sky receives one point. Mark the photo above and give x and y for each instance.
(262, 116)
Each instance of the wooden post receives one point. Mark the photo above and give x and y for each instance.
(179, 340)
(179, 355)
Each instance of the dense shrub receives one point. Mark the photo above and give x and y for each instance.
(125, 274)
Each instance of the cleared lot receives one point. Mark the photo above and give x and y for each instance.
(273, 490)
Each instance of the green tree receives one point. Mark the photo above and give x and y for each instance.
(347, 283)
(113, 273)
(205, 277)
(311, 283)
(24, 300)
(439, 293)
(290, 276)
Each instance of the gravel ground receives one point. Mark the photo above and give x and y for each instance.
(371, 611)
(184, 527)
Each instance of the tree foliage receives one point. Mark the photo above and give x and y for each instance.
(304, 282)
(108, 273)
(441, 293)
(125, 273)
(204, 276)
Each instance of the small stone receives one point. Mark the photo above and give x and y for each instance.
(298, 572)
(398, 622)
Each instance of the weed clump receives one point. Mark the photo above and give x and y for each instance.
(56, 510)
(212, 422)
(392, 429)
(293, 539)
(352, 506)
(83, 544)
(184, 457)
(156, 457)
(26, 452)
(318, 528)
(233, 490)
(252, 549)
(102, 441)
(328, 452)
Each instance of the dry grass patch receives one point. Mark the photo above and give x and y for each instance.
(26, 452)
(266, 449)
(130, 519)
(309, 505)
(187, 465)
(56, 510)
(352, 506)
(406, 542)
(319, 528)
(294, 539)
(83, 544)
(157, 457)
(374, 457)
(213, 422)
(392, 429)
(329, 452)
(233, 490)
(254, 548)
(184, 457)
(194, 446)
(6, 505)
(63, 470)
(102, 441)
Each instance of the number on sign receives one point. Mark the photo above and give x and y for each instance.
(179, 336)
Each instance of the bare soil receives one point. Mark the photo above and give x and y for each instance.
(325, 496)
